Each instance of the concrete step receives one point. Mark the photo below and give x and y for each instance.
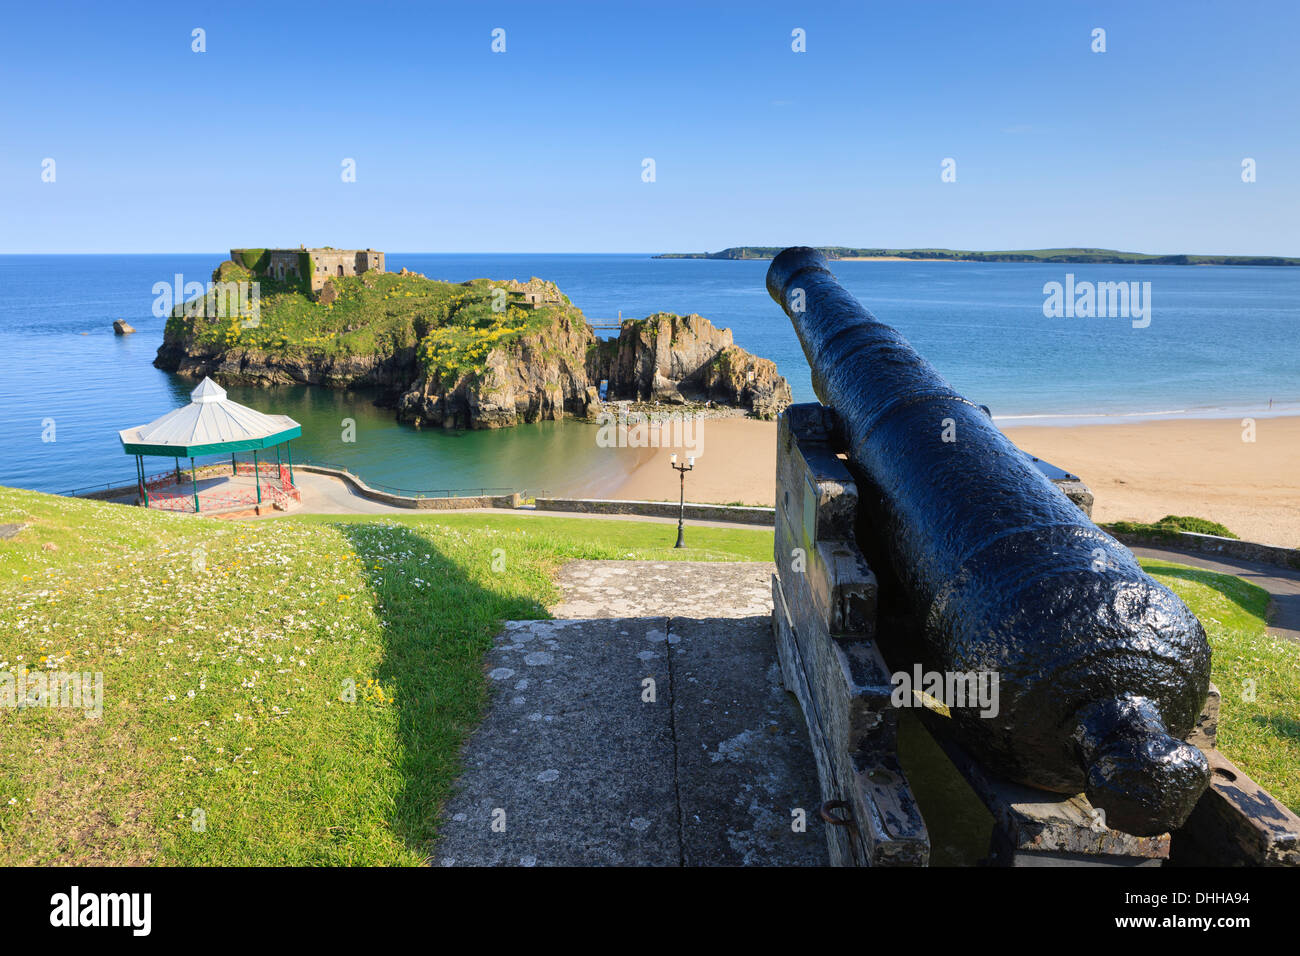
(639, 739)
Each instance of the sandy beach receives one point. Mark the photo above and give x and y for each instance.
(1139, 471)
(1200, 467)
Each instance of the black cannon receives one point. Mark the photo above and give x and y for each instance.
(1102, 672)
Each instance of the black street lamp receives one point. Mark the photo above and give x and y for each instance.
(681, 506)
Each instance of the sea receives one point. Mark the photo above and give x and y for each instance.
(1221, 341)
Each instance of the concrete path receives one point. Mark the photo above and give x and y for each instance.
(1282, 584)
(628, 734)
(670, 589)
(325, 494)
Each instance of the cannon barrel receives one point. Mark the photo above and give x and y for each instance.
(1101, 671)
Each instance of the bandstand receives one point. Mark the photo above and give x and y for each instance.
(212, 425)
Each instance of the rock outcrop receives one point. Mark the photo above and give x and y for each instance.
(666, 358)
(542, 377)
(549, 373)
(679, 359)
(122, 327)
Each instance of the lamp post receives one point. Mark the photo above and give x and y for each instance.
(681, 505)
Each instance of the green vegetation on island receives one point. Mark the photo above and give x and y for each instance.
(451, 326)
(1073, 255)
(296, 691)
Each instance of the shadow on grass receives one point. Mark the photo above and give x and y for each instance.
(440, 611)
(1252, 599)
(1285, 727)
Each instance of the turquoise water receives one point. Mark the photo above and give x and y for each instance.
(1222, 341)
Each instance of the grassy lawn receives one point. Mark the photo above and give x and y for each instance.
(304, 684)
(295, 691)
(1258, 676)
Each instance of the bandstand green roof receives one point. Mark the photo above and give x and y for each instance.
(210, 424)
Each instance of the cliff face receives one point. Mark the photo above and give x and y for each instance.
(248, 366)
(544, 363)
(542, 377)
(677, 359)
(666, 358)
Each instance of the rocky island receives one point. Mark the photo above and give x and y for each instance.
(478, 354)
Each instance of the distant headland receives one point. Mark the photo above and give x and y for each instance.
(1021, 255)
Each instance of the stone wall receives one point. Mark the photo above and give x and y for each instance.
(284, 264)
(1213, 544)
(342, 262)
(407, 501)
(737, 514)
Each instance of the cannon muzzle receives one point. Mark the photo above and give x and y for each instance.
(1101, 671)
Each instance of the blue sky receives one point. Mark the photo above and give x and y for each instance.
(540, 149)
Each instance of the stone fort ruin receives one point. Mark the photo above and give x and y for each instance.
(320, 263)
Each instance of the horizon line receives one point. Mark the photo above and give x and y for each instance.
(584, 252)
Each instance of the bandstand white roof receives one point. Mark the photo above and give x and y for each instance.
(211, 423)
